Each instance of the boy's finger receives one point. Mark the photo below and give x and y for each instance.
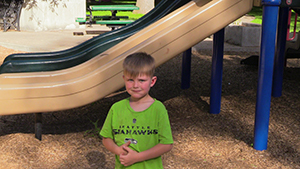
(126, 149)
(127, 143)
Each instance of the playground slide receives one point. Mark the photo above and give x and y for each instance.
(50, 61)
(92, 80)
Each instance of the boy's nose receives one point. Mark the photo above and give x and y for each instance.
(135, 84)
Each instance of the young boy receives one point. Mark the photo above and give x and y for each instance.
(137, 129)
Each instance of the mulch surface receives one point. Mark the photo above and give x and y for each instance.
(201, 140)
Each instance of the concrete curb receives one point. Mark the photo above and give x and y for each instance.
(207, 45)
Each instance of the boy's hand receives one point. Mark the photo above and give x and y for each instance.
(121, 149)
(130, 158)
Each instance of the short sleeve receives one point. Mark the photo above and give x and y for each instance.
(106, 130)
(165, 132)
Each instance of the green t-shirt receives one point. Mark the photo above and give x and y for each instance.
(144, 129)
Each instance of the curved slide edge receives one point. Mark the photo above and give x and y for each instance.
(39, 62)
(59, 90)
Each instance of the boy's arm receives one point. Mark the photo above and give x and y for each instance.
(111, 146)
(134, 157)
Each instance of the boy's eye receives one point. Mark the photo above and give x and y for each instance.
(142, 80)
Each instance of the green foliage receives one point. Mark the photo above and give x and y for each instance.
(95, 132)
(257, 12)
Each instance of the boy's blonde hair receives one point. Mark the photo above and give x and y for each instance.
(139, 64)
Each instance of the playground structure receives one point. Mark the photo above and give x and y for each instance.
(69, 86)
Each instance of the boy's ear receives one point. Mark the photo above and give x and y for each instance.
(153, 81)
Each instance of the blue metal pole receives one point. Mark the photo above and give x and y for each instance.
(265, 76)
(216, 72)
(186, 69)
(280, 52)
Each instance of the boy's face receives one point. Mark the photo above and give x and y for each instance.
(139, 86)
